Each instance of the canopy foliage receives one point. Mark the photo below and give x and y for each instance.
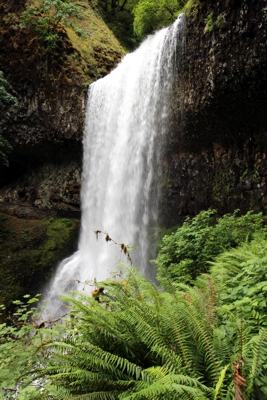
(150, 15)
(133, 20)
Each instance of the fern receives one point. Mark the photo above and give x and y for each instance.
(137, 342)
(257, 375)
(169, 386)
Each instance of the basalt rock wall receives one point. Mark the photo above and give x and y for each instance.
(48, 120)
(45, 129)
(216, 148)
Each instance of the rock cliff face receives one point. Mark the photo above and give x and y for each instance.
(29, 252)
(41, 187)
(216, 149)
(46, 128)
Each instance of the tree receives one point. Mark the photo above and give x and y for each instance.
(150, 15)
(113, 4)
(118, 14)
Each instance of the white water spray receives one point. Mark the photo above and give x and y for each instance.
(126, 122)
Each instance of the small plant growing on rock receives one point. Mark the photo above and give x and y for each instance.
(209, 23)
(220, 21)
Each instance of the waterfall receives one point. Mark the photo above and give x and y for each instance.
(126, 122)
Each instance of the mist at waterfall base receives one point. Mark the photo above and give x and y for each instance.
(126, 122)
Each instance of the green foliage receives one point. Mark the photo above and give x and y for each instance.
(132, 20)
(6, 99)
(112, 5)
(192, 4)
(96, 48)
(135, 341)
(119, 17)
(5, 149)
(150, 15)
(17, 354)
(220, 21)
(185, 254)
(241, 274)
(44, 16)
(209, 23)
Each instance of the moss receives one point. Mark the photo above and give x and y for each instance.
(29, 252)
(192, 7)
(73, 59)
(89, 35)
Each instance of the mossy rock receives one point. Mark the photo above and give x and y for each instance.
(30, 251)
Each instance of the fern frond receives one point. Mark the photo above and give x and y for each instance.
(169, 387)
(175, 334)
(257, 378)
(97, 396)
(146, 328)
(202, 334)
(92, 357)
(218, 388)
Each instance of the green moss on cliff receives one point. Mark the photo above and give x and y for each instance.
(85, 49)
(100, 51)
(93, 40)
(29, 251)
(50, 83)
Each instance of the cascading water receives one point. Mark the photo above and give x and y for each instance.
(126, 121)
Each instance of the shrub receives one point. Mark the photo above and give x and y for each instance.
(186, 253)
(44, 16)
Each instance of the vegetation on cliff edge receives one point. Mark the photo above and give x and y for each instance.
(70, 34)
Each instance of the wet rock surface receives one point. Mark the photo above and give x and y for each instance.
(45, 129)
(50, 185)
(216, 148)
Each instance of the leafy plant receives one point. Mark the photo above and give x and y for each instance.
(44, 17)
(118, 15)
(220, 21)
(5, 149)
(209, 23)
(5, 97)
(185, 253)
(241, 274)
(135, 341)
(150, 15)
(17, 354)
